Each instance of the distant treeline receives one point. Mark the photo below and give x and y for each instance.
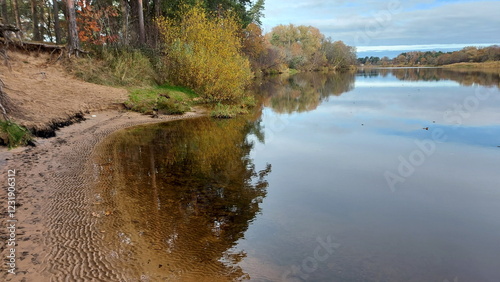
(433, 58)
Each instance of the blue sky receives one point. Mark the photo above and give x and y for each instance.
(381, 28)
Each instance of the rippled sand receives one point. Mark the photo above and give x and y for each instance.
(57, 234)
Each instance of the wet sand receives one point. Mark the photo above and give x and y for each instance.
(56, 230)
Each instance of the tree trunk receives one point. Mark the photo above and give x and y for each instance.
(57, 25)
(125, 14)
(34, 15)
(73, 40)
(16, 13)
(49, 22)
(41, 20)
(142, 33)
(5, 14)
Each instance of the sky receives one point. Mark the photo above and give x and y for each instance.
(387, 28)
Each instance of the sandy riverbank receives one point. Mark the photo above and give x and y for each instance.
(55, 232)
(55, 229)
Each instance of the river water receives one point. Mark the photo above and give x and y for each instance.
(379, 175)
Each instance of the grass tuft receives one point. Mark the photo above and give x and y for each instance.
(227, 111)
(115, 67)
(13, 135)
(232, 110)
(165, 99)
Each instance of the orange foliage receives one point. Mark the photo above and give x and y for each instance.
(253, 41)
(90, 23)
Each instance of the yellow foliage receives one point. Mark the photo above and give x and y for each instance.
(204, 53)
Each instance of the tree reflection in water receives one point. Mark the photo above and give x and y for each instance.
(303, 92)
(182, 193)
(463, 77)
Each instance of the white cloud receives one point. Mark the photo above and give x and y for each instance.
(419, 22)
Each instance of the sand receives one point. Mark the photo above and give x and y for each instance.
(55, 230)
(56, 234)
(45, 94)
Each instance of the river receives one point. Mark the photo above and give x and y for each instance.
(378, 175)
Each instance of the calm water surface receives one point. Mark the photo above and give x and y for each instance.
(382, 175)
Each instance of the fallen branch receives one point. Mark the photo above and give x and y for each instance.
(7, 27)
(37, 46)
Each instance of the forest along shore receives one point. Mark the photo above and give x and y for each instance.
(56, 234)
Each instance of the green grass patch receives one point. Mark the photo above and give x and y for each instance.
(179, 90)
(225, 111)
(13, 135)
(165, 98)
(232, 110)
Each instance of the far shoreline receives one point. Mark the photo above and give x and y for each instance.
(493, 66)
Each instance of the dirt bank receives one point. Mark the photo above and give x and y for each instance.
(46, 97)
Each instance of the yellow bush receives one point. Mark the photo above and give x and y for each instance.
(204, 53)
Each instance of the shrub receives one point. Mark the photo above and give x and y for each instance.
(204, 53)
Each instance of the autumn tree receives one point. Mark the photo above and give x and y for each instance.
(91, 27)
(338, 54)
(253, 44)
(272, 59)
(306, 48)
(204, 53)
(301, 45)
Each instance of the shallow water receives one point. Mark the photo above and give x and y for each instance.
(382, 175)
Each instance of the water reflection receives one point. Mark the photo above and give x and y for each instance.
(181, 194)
(463, 77)
(303, 92)
(186, 200)
(328, 180)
